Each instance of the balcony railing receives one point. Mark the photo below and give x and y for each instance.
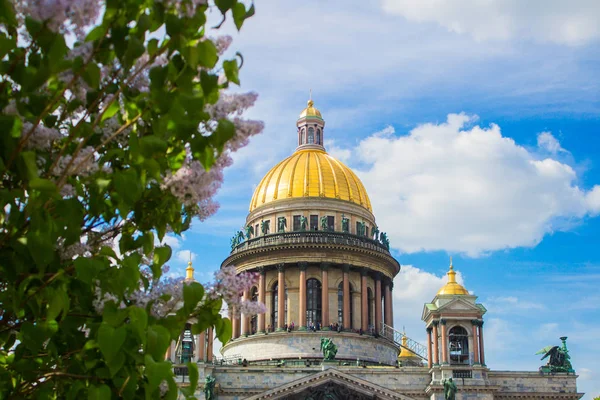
(311, 237)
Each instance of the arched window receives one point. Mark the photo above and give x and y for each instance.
(458, 339)
(254, 318)
(371, 304)
(341, 305)
(274, 308)
(311, 135)
(302, 137)
(319, 136)
(313, 301)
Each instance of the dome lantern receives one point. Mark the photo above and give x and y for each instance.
(310, 127)
(452, 287)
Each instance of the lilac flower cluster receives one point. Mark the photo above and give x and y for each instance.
(64, 16)
(84, 164)
(229, 286)
(41, 138)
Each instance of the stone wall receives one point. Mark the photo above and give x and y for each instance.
(283, 345)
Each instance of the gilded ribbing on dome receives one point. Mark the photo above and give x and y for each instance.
(310, 173)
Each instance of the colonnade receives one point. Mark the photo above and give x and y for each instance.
(438, 343)
(241, 325)
(203, 351)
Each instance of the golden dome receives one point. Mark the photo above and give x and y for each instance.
(310, 173)
(404, 352)
(452, 287)
(310, 111)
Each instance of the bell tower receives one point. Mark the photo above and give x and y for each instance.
(310, 128)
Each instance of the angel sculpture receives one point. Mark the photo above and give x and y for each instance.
(303, 223)
(375, 232)
(558, 358)
(240, 236)
(234, 242)
(264, 227)
(328, 348)
(249, 231)
(324, 225)
(281, 224)
(361, 228)
(345, 224)
(384, 240)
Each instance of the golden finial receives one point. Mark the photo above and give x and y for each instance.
(189, 271)
(451, 266)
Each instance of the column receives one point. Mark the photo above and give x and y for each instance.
(346, 323)
(391, 304)
(234, 322)
(238, 324)
(246, 321)
(475, 342)
(200, 345)
(429, 351)
(261, 298)
(364, 312)
(280, 296)
(436, 345)
(387, 299)
(444, 342)
(377, 302)
(481, 352)
(209, 347)
(302, 296)
(325, 295)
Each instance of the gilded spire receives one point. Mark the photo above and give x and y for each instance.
(189, 271)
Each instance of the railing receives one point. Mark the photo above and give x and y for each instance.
(311, 237)
(396, 336)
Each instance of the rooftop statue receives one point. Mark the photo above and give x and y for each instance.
(209, 388)
(345, 224)
(375, 232)
(281, 224)
(450, 389)
(328, 348)
(249, 231)
(240, 236)
(384, 240)
(264, 227)
(324, 225)
(558, 358)
(303, 223)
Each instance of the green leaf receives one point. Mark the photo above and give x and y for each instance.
(110, 112)
(87, 269)
(207, 54)
(231, 71)
(58, 303)
(43, 185)
(27, 165)
(192, 295)
(91, 75)
(173, 25)
(138, 320)
(225, 5)
(162, 254)
(96, 33)
(239, 15)
(152, 47)
(101, 392)
(224, 330)
(225, 131)
(128, 186)
(158, 340)
(110, 341)
(152, 145)
(7, 44)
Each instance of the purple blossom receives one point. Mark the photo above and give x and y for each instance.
(229, 286)
(41, 138)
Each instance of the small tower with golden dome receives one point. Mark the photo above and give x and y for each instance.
(454, 322)
(310, 127)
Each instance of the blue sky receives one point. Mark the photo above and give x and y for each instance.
(475, 128)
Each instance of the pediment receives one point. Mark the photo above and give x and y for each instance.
(458, 304)
(331, 385)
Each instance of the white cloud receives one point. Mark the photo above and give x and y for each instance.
(341, 154)
(549, 143)
(557, 21)
(173, 241)
(462, 188)
(511, 305)
(183, 256)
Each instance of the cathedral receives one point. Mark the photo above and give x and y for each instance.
(326, 277)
